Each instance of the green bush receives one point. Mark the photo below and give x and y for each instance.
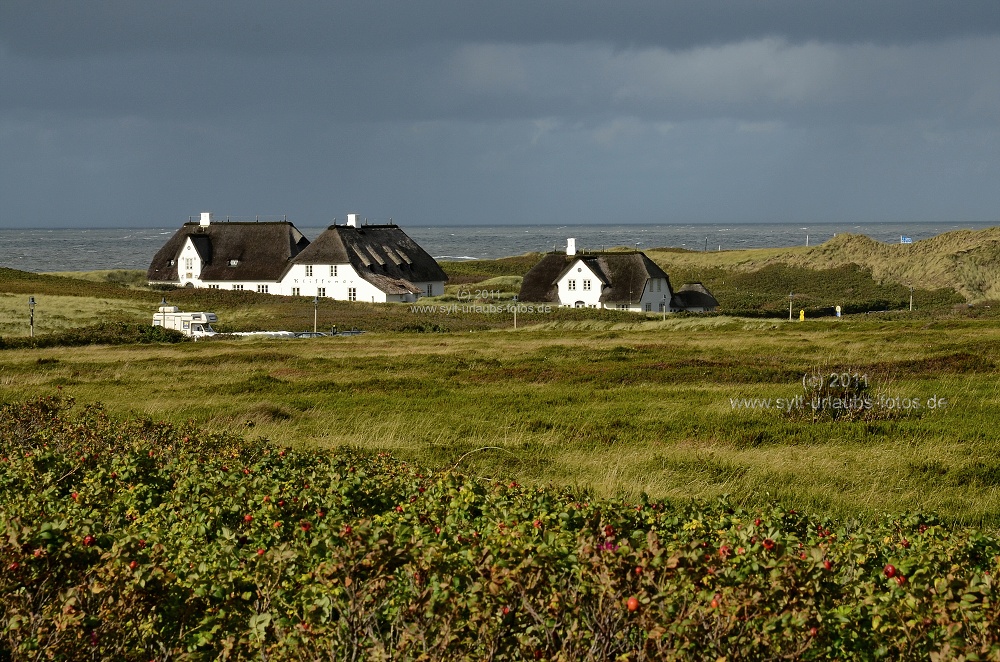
(105, 333)
(134, 540)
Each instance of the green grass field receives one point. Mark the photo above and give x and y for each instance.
(609, 401)
(622, 409)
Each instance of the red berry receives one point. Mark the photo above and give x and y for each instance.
(347, 530)
(277, 524)
(900, 579)
(889, 570)
(248, 518)
(133, 565)
(506, 610)
(768, 544)
(88, 541)
(38, 552)
(715, 603)
(827, 564)
(813, 632)
(638, 570)
(306, 526)
(905, 543)
(14, 566)
(75, 496)
(756, 522)
(633, 603)
(537, 524)
(260, 552)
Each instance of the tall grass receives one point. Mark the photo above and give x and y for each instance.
(618, 411)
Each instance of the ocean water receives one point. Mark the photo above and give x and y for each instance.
(88, 249)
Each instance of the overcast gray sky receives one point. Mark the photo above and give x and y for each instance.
(131, 113)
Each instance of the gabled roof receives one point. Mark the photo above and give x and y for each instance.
(623, 275)
(693, 295)
(261, 251)
(382, 254)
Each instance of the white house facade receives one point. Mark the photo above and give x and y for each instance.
(618, 280)
(353, 262)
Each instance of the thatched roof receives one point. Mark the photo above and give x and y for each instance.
(231, 251)
(382, 254)
(623, 275)
(693, 295)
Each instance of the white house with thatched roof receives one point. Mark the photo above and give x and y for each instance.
(352, 262)
(619, 280)
(356, 262)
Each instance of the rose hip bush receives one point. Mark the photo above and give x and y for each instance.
(136, 540)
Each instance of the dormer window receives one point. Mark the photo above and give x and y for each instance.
(171, 263)
(233, 263)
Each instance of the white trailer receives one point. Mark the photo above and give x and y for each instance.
(196, 325)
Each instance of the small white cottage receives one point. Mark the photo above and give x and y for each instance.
(620, 280)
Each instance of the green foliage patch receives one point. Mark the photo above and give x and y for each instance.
(127, 539)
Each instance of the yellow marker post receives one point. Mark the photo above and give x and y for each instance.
(802, 316)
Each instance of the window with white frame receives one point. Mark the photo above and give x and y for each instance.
(586, 284)
(309, 270)
(571, 284)
(333, 270)
(352, 294)
(213, 287)
(296, 292)
(262, 289)
(189, 263)
(237, 287)
(430, 290)
(321, 291)
(649, 307)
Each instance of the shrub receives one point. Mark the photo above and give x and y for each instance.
(134, 540)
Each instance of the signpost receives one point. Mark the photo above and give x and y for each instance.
(31, 316)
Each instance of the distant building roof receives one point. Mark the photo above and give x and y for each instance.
(693, 295)
(623, 275)
(231, 251)
(382, 254)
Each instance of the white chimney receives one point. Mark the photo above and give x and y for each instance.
(352, 220)
(571, 246)
(206, 218)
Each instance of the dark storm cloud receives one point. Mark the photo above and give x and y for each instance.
(74, 29)
(123, 112)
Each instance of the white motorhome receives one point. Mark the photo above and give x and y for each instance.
(196, 325)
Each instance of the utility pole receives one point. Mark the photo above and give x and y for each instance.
(315, 310)
(789, 306)
(911, 298)
(31, 316)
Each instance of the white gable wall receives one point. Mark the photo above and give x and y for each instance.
(580, 287)
(189, 265)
